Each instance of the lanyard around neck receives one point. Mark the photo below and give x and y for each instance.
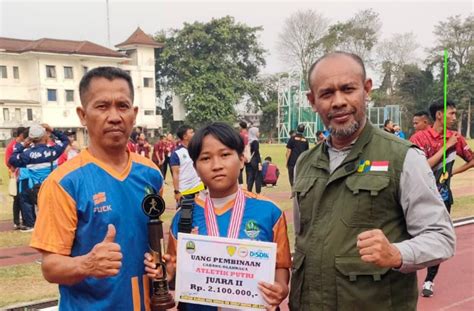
(236, 218)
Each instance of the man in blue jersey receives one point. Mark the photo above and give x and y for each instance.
(39, 160)
(91, 230)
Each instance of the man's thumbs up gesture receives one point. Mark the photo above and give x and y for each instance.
(105, 259)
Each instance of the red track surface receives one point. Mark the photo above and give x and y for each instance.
(454, 284)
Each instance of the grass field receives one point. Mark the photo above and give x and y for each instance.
(20, 283)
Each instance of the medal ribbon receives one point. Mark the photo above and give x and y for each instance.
(236, 218)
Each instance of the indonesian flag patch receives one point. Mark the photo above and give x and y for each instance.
(379, 166)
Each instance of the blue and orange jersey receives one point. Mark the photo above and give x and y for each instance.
(262, 221)
(76, 204)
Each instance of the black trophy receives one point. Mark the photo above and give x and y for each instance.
(153, 205)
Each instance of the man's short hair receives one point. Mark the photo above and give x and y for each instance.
(332, 54)
(182, 131)
(291, 132)
(300, 128)
(220, 131)
(386, 122)
(109, 73)
(243, 124)
(21, 131)
(318, 133)
(422, 113)
(439, 106)
(268, 159)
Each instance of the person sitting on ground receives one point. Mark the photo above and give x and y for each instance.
(270, 172)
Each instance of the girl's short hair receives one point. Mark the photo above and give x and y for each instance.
(222, 132)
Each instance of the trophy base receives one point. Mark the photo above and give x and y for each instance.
(162, 302)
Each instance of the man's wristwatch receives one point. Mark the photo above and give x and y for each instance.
(176, 191)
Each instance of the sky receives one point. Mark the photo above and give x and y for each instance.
(87, 19)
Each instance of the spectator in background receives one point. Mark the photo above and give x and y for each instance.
(295, 146)
(158, 156)
(131, 145)
(170, 147)
(421, 121)
(51, 139)
(40, 161)
(72, 149)
(398, 131)
(21, 134)
(186, 181)
(136, 134)
(245, 137)
(143, 147)
(253, 168)
(270, 172)
(431, 142)
(388, 126)
(320, 137)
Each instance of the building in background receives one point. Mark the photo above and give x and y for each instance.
(39, 80)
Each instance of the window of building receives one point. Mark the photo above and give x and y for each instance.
(68, 73)
(16, 72)
(6, 114)
(29, 114)
(148, 82)
(149, 112)
(69, 95)
(17, 114)
(52, 96)
(3, 72)
(50, 71)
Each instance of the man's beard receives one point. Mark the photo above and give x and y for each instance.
(346, 131)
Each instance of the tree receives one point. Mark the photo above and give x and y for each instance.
(211, 66)
(358, 35)
(265, 99)
(417, 88)
(299, 43)
(457, 37)
(392, 55)
(461, 89)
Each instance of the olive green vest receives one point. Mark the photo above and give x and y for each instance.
(328, 273)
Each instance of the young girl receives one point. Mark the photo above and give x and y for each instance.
(217, 153)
